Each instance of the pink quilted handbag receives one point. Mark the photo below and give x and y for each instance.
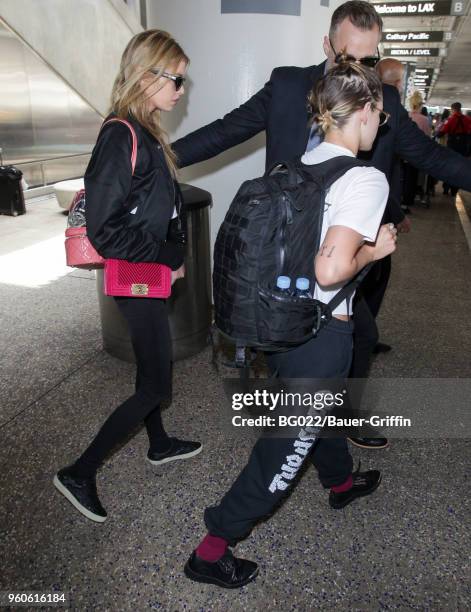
(79, 251)
(123, 278)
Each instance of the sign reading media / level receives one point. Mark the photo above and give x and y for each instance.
(412, 52)
(415, 36)
(406, 9)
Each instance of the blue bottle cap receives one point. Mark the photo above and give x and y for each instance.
(283, 282)
(302, 284)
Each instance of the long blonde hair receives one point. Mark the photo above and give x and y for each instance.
(148, 50)
(416, 101)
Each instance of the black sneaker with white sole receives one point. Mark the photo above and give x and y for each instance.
(179, 449)
(228, 572)
(82, 494)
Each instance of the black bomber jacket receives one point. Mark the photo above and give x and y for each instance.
(128, 215)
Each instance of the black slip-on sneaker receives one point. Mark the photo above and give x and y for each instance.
(228, 572)
(179, 449)
(364, 483)
(82, 494)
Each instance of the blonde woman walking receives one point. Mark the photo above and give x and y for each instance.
(128, 217)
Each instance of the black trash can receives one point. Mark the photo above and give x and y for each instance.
(12, 201)
(189, 306)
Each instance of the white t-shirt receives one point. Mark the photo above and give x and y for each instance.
(356, 200)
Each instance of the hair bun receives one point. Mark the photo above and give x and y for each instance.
(325, 120)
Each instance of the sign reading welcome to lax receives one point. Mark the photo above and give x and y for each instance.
(406, 9)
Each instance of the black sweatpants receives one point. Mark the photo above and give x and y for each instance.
(275, 462)
(150, 335)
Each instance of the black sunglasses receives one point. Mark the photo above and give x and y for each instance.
(370, 60)
(178, 79)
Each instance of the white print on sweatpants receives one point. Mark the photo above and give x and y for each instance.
(302, 445)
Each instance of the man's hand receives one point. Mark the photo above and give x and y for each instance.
(404, 226)
(180, 273)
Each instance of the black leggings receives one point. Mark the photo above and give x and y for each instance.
(150, 335)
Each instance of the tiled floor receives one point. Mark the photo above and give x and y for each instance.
(405, 547)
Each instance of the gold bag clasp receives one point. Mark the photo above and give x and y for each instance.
(139, 289)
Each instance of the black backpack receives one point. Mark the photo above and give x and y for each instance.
(273, 227)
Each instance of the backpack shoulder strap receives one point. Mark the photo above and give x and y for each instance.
(134, 139)
(348, 289)
(329, 171)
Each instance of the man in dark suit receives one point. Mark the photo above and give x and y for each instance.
(280, 108)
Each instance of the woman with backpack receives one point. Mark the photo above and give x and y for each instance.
(129, 214)
(348, 107)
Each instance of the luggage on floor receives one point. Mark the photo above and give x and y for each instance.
(12, 201)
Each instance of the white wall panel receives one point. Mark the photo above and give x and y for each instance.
(232, 56)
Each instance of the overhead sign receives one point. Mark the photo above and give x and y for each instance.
(417, 9)
(421, 36)
(423, 82)
(412, 52)
(426, 75)
(409, 87)
(277, 7)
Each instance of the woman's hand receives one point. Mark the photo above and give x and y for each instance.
(180, 273)
(343, 253)
(385, 242)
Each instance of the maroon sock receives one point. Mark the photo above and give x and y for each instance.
(211, 548)
(345, 486)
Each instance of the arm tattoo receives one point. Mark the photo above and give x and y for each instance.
(324, 249)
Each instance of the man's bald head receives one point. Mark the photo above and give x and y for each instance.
(391, 72)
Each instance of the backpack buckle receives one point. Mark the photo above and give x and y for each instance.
(323, 316)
